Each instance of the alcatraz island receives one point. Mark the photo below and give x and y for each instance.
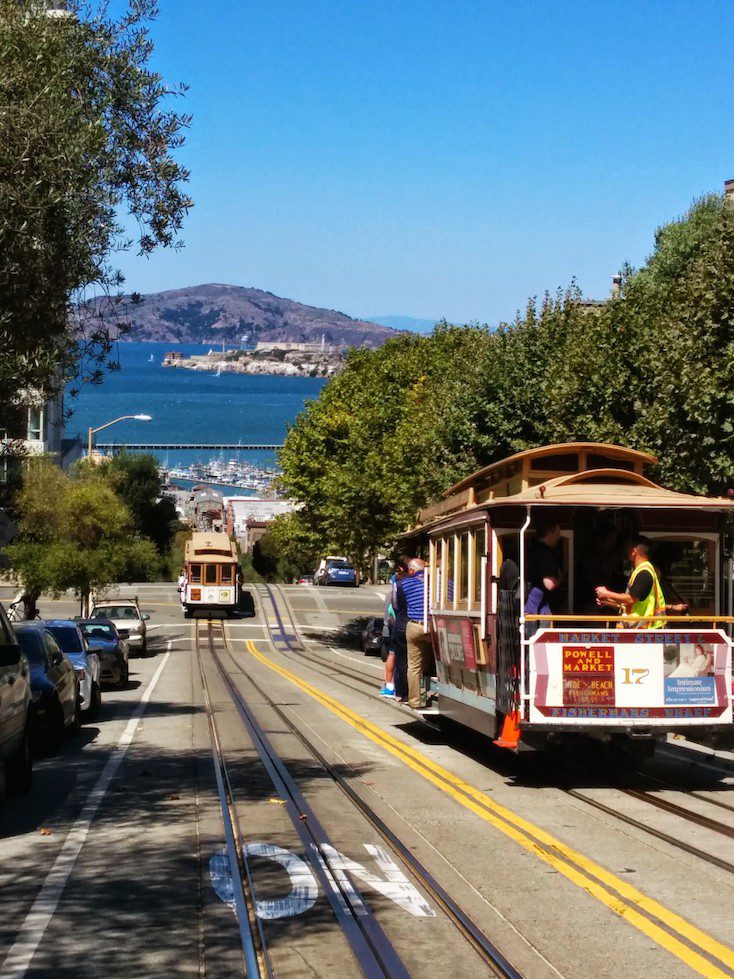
(273, 357)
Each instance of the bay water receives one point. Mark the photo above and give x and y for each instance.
(189, 406)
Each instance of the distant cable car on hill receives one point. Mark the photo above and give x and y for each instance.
(212, 574)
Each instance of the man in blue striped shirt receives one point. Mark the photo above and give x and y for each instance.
(410, 602)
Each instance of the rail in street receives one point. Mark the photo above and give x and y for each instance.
(271, 815)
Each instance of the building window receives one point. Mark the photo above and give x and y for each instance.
(35, 424)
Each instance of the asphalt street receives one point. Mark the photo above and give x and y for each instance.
(116, 863)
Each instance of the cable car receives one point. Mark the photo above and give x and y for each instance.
(532, 680)
(212, 573)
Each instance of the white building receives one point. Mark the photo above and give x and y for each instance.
(37, 429)
(242, 510)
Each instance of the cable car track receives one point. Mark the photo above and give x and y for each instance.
(372, 950)
(714, 825)
(297, 652)
(256, 960)
(283, 638)
(482, 945)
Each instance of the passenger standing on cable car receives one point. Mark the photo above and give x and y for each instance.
(183, 581)
(643, 598)
(396, 663)
(543, 575)
(410, 600)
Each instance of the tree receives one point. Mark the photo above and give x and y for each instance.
(137, 481)
(87, 168)
(75, 533)
(653, 370)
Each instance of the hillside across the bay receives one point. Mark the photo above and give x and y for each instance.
(234, 315)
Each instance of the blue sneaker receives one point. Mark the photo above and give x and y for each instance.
(385, 692)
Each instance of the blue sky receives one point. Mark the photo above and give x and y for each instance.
(439, 158)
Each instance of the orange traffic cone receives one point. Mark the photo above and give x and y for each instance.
(510, 734)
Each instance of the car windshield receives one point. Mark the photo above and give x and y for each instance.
(339, 565)
(30, 642)
(98, 632)
(115, 612)
(67, 638)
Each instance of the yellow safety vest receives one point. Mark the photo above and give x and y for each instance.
(652, 604)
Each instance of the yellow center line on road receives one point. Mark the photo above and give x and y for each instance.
(616, 894)
(337, 611)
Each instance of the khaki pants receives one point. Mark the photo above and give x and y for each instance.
(420, 654)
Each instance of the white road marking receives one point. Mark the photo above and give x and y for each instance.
(183, 624)
(18, 959)
(304, 886)
(396, 887)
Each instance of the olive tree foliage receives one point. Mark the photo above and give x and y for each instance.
(88, 168)
(653, 370)
(75, 533)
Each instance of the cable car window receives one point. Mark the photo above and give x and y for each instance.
(478, 549)
(567, 462)
(450, 572)
(436, 565)
(441, 592)
(225, 574)
(210, 574)
(195, 574)
(687, 572)
(596, 461)
(462, 598)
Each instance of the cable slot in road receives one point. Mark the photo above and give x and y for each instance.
(256, 959)
(371, 948)
(484, 947)
(287, 643)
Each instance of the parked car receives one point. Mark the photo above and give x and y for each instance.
(336, 571)
(129, 621)
(70, 637)
(55, 703)
(372, 638)
(15, 702)
(113, 651)
(305, 579)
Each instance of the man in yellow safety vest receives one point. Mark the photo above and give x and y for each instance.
(643, 598)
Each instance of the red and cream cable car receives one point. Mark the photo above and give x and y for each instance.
(526, 680)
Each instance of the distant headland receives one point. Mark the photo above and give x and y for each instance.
(234, 316)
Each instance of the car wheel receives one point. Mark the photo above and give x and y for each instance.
(95, 704)
(144, 648)
(19, 770)
(76, 723)
(187, 613)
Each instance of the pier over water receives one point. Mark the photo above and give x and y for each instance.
(200, 446)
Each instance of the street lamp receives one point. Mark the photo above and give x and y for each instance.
(122, 418)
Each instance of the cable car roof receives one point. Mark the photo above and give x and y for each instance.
(209, 546)
(611, 488)
(591, 474)
(544, 458)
